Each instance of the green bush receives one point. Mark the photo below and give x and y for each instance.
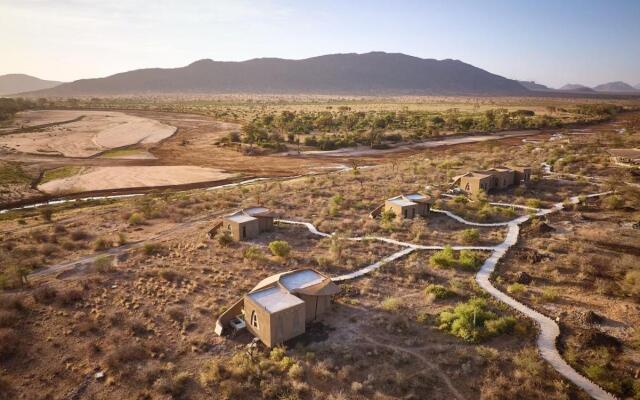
(280, 248)
(103, 263)
(469, 260)
(152, 249)
(254, 253)
(438, 291)
(516, 288)
(550, 294)
(391, 304)
(136, 219)
(470, 236)
(473, 321)
(223, 237)
(443, 258)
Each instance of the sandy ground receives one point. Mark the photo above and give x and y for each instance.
(107, 178)
(96, 132)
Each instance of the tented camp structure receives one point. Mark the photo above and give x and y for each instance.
(475, 182)
(408, 206)
(245, 224)
(279, 307)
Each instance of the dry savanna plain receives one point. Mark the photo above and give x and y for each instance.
(113, 289)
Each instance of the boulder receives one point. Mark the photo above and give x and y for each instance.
(523, 278)
(590, 317)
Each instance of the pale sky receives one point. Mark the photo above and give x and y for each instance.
(553, 42)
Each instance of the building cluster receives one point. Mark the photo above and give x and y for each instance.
(280, 307)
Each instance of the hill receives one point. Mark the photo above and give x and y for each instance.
(17, 83)
(531, 85)
(574, 87)
(370, 73)
(637, 86)
(615, 87)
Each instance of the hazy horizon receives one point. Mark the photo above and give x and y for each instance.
(573, 42)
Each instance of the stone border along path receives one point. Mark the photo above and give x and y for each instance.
(549, 330)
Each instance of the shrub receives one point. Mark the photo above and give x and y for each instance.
(171, 275)
(470, 236)
(125, 354)
(44, 295)
(516, 288)
(631, 285)
(79, 234)
(443, 258)
(391, 304)
(533, 203)
(469, 260)
(550, 294)
(280, 248)
(528, 360)
(224, 238)
(103, 264)
(101, 244)
(152, 249)
(254, 253)
(136, 219)
(473, 321)
(69, 297)
(613, 202)
(438, 291)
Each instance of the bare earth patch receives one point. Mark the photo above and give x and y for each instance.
(106, 178)
(96, 132)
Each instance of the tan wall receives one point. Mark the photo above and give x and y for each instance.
(265, 224)
(252, 229)
(523, 174)
(472, 184)
(287, 324)
(411, 211)
(315, 306)
(263, 331)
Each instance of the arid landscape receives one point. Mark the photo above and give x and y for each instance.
(81, 278)
(238, 200)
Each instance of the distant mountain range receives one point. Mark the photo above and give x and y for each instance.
(370, 73)
(18, 83)
(531, 85)
(611, 87)
(574, 87)
(615, 87)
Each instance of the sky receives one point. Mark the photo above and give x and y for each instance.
(550, 41)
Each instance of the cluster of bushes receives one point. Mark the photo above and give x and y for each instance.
(9, 107)
(473, 321)
(256, 374)
(373, 128)
(446, 258)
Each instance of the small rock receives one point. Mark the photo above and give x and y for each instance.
(523, 278)
(99, 375)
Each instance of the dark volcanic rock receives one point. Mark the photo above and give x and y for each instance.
(523, 278)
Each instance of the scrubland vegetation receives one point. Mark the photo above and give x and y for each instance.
(142, 319)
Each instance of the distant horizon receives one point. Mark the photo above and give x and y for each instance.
(551, 43)
(320, 55)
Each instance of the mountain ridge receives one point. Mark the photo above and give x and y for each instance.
(353, 73)
(17, 83)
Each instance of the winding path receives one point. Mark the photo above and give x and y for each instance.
(549, 330)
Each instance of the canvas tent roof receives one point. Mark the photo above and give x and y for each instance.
(274, 299)
(409, 199)
(304, 281)
(239, 217)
